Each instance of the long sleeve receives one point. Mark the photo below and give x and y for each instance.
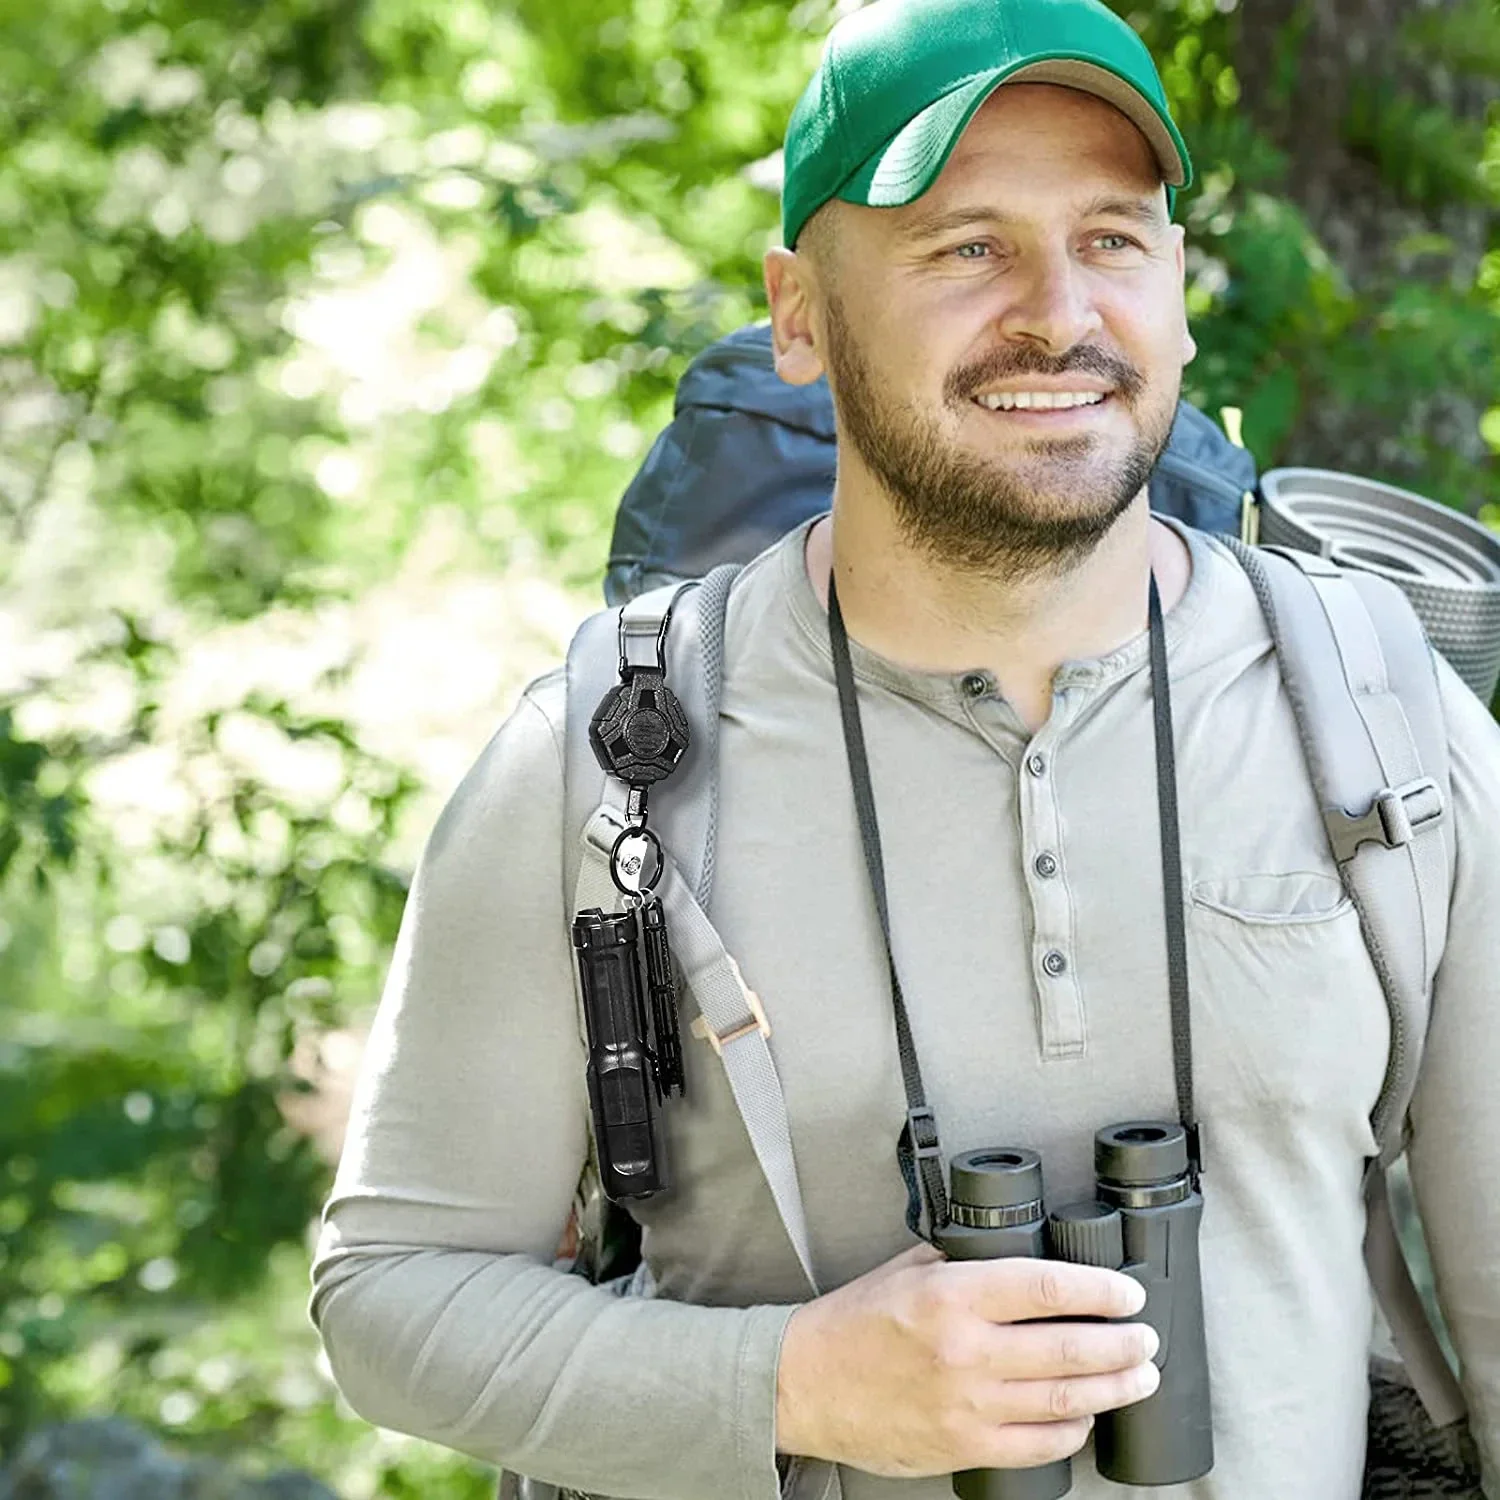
(433, 1285)
(1455, 1149)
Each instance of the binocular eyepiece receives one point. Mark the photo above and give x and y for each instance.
(1143, 1221)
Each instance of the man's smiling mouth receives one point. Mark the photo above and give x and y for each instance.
(1040, 400)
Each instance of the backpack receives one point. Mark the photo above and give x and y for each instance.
(747, 457)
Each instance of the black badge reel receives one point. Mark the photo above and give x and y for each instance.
(639, 731)
(639, 734)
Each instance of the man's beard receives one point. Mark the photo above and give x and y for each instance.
(1039, 515)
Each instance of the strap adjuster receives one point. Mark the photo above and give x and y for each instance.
(922, 1132)
(756, 1021)
(1395, 818)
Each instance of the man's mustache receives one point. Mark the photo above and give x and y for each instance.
(968, 379)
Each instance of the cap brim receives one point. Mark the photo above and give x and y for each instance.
(909, 163)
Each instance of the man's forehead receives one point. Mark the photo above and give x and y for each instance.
(1053, 133)
(1038, 111)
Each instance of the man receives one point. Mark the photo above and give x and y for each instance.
(982, 259)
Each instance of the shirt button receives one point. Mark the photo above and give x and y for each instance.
(976, 684)
(1045, 865)
(1037, 765)
(1055, 964)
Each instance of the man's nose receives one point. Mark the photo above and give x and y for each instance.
(1050, 303)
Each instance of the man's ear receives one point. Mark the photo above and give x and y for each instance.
(790, 283)
(1189, 344)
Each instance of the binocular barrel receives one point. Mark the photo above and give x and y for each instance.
(995, 1199)
(1143, 1221)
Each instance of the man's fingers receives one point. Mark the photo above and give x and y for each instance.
(1029, 1445)
(1028, 1401)
(1020, 1290)
(1041, 1351)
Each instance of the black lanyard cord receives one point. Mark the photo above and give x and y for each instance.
(918, 1150)
(1171, 880)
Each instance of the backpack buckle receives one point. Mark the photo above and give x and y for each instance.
(1395, 818)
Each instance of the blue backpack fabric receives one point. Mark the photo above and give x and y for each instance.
(747, 457)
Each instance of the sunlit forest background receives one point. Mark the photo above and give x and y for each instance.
(330, 332)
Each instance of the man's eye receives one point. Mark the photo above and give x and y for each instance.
(963, 251)
(1125, 239)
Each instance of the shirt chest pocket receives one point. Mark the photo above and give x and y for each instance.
(1292, 1014)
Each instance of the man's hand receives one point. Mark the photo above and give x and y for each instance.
(927, 1366)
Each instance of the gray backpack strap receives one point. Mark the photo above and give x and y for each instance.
(731, 1020)
(1360, 676)
(684, 814)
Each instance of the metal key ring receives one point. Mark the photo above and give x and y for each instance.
(632, 865)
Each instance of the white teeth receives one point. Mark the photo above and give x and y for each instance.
(1038, 400)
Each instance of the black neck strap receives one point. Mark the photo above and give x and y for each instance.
(918, 1150)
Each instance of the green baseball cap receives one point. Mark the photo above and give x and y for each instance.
(901, 79)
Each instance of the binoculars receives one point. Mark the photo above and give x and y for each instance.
(1143, 1221)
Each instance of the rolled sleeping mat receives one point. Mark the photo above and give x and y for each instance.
(1447, 564)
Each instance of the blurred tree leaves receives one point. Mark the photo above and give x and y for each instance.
(278, 283)
(283, 283)
(38, 806)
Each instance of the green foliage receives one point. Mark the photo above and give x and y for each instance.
(1280, 328)
(280, 285)
(1464, 37)
(37, 807)
(1422, 151)
(148, 1168)
(287, 289)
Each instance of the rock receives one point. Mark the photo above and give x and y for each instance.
(110, 1459)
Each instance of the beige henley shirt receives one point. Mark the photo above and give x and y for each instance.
(1025, 888)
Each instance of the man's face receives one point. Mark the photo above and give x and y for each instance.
(1041, 261)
